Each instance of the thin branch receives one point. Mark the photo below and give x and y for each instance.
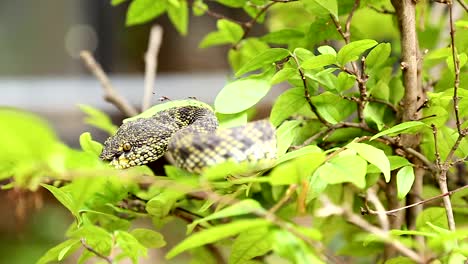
(463, 4)
(383, 219)
(436, 147)
(350, 18)
(110, 94)
(151, 64)
(456, 67)
(392, 212)
(331, 209)
(382, 10)
(92, 250)
(307, 94)
(380, 101)
(287, 195)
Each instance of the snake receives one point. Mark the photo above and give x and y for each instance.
(188, 132)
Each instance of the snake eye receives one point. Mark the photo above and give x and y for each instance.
(127, 146)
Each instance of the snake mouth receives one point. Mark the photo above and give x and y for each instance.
(120, 161)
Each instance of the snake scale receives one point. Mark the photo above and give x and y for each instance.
(190, 135)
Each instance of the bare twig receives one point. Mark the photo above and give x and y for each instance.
(463, 4)
(350, 18)
(456, 67)
(151, 61)
(383, 219)
(110, 94)
(92, 250)
(287, 195)
(331, 209)
(382, 10)
(392, 212)
(307, 94)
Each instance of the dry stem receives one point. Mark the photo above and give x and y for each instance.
(110, 94)
(151, 60)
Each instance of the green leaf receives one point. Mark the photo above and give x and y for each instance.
(199, 8)
(406, 127)
(287, 104)
(325, 49)
(117, 2)
(351, 51)
(179, 16)
(374, 114)
(98, 119)
(57, 253)
(374, 156)
(298, 153)
(233, 3)
(283, 36)
(405, 179)
(141, 11)
(89, 145)
(250, 244)
(285, 136)
(228, 32)
(263, 59)
(149, 238)
(338, 111)
(214, 234)
(378, 55)
(240, 95)
(96, 237)
(345, 168)
(294, 171)
(160, 205)
(243, 207)
(130, 246)
(345, 81)
(318, 61)
(232, 120)
(63, 197)
(283, 75)
(397, 162)
(321, 7)
(293, 249)
(433, 215)
(399, 260)
(247, 49)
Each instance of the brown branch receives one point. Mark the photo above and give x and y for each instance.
(350, 18)
(287, 195)
(151, 64)
(463, 4)
(382, 10)
(92, 250)
(331, 209)
(383, 219)
(392, 212)
(110, 94)
(307, 94)
(456, 67)
(380, 101)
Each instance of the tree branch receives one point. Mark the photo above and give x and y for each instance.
(151, 64)
(331, 209)
(92, 250)
(110, 94)
(392, 212)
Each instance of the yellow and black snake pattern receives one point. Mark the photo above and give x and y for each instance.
(190, 135)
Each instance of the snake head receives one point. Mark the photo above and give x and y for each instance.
(136, 143)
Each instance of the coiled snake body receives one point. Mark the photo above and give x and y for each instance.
(190, 135)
